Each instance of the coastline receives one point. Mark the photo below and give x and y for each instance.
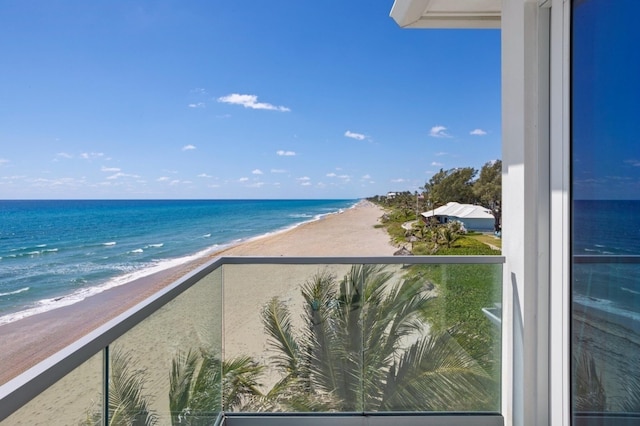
(34, 338)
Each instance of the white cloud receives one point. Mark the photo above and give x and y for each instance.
(439, 132)
(304, 178)
(306, 184)
(366, 177)
(278, 171)
(399, 180)
(478, 132)
(250, 101)
(63, 155)
(285, 153)
(199, 91)
(257, 172)
(3, 161)
(120, 174)
(91, 155)
(163, 179)
(634, 163)
(197, 105)
(436, 164)
(256, 185)
(243, 179)
(356, 136)
(204, 175)
(188, 147)
(440, 154)
(331, 174)
(109, 169)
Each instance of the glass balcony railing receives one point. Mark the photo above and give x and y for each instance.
(244, 339)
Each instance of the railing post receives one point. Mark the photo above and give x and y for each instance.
(105, 386)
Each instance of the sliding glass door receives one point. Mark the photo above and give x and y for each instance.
(605, 162)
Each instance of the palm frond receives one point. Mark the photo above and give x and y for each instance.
(435, 373)
(277, 321)
(589, 392)
(127, 401)
(240, 380)
(183, 367)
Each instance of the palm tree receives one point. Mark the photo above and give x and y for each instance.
(364, 347)
(128, 405)
(201, 385)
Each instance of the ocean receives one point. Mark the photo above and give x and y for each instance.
(609, 228)
(54, 253)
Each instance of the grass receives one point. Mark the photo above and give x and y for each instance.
(488, 239)
(462, 292)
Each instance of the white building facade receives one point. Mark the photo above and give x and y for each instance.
(553, 85)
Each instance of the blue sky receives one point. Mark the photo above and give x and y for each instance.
(605, 101)
(237, 99)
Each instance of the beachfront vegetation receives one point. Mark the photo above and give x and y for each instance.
(405, 367)
(128, 402)
(201, 384)
(462, 185)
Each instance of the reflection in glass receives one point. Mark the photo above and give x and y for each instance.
(606, 207)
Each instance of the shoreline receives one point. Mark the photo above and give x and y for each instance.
(196, 259)
(34, 338)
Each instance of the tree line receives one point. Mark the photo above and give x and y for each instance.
(465, 185)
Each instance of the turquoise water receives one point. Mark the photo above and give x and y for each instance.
(54, 253)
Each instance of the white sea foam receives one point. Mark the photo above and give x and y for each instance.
(22, 290)
(110, 243)
(606, 306)
(41, 245)
(156, 245)
(137, 251)
(45, 305)
(206, 236)
(629, 290)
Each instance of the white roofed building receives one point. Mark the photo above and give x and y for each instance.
(474, 218)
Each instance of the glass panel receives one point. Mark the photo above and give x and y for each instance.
(168, 367)
(437, 339)
(76, 399)
(297, 328)
(606, 208)
(363, 337)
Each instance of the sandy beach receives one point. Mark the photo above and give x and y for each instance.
(157, 340)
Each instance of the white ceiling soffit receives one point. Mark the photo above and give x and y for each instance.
(447, 13)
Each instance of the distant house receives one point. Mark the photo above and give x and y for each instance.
(474, 218)
(391, 195)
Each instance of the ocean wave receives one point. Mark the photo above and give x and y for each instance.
(9, 293)
(156, 245)
(137, 251)
(300, 215)
(606, 306)
(110, 243)
(206, 236)
(628, 290)
(49, 304)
